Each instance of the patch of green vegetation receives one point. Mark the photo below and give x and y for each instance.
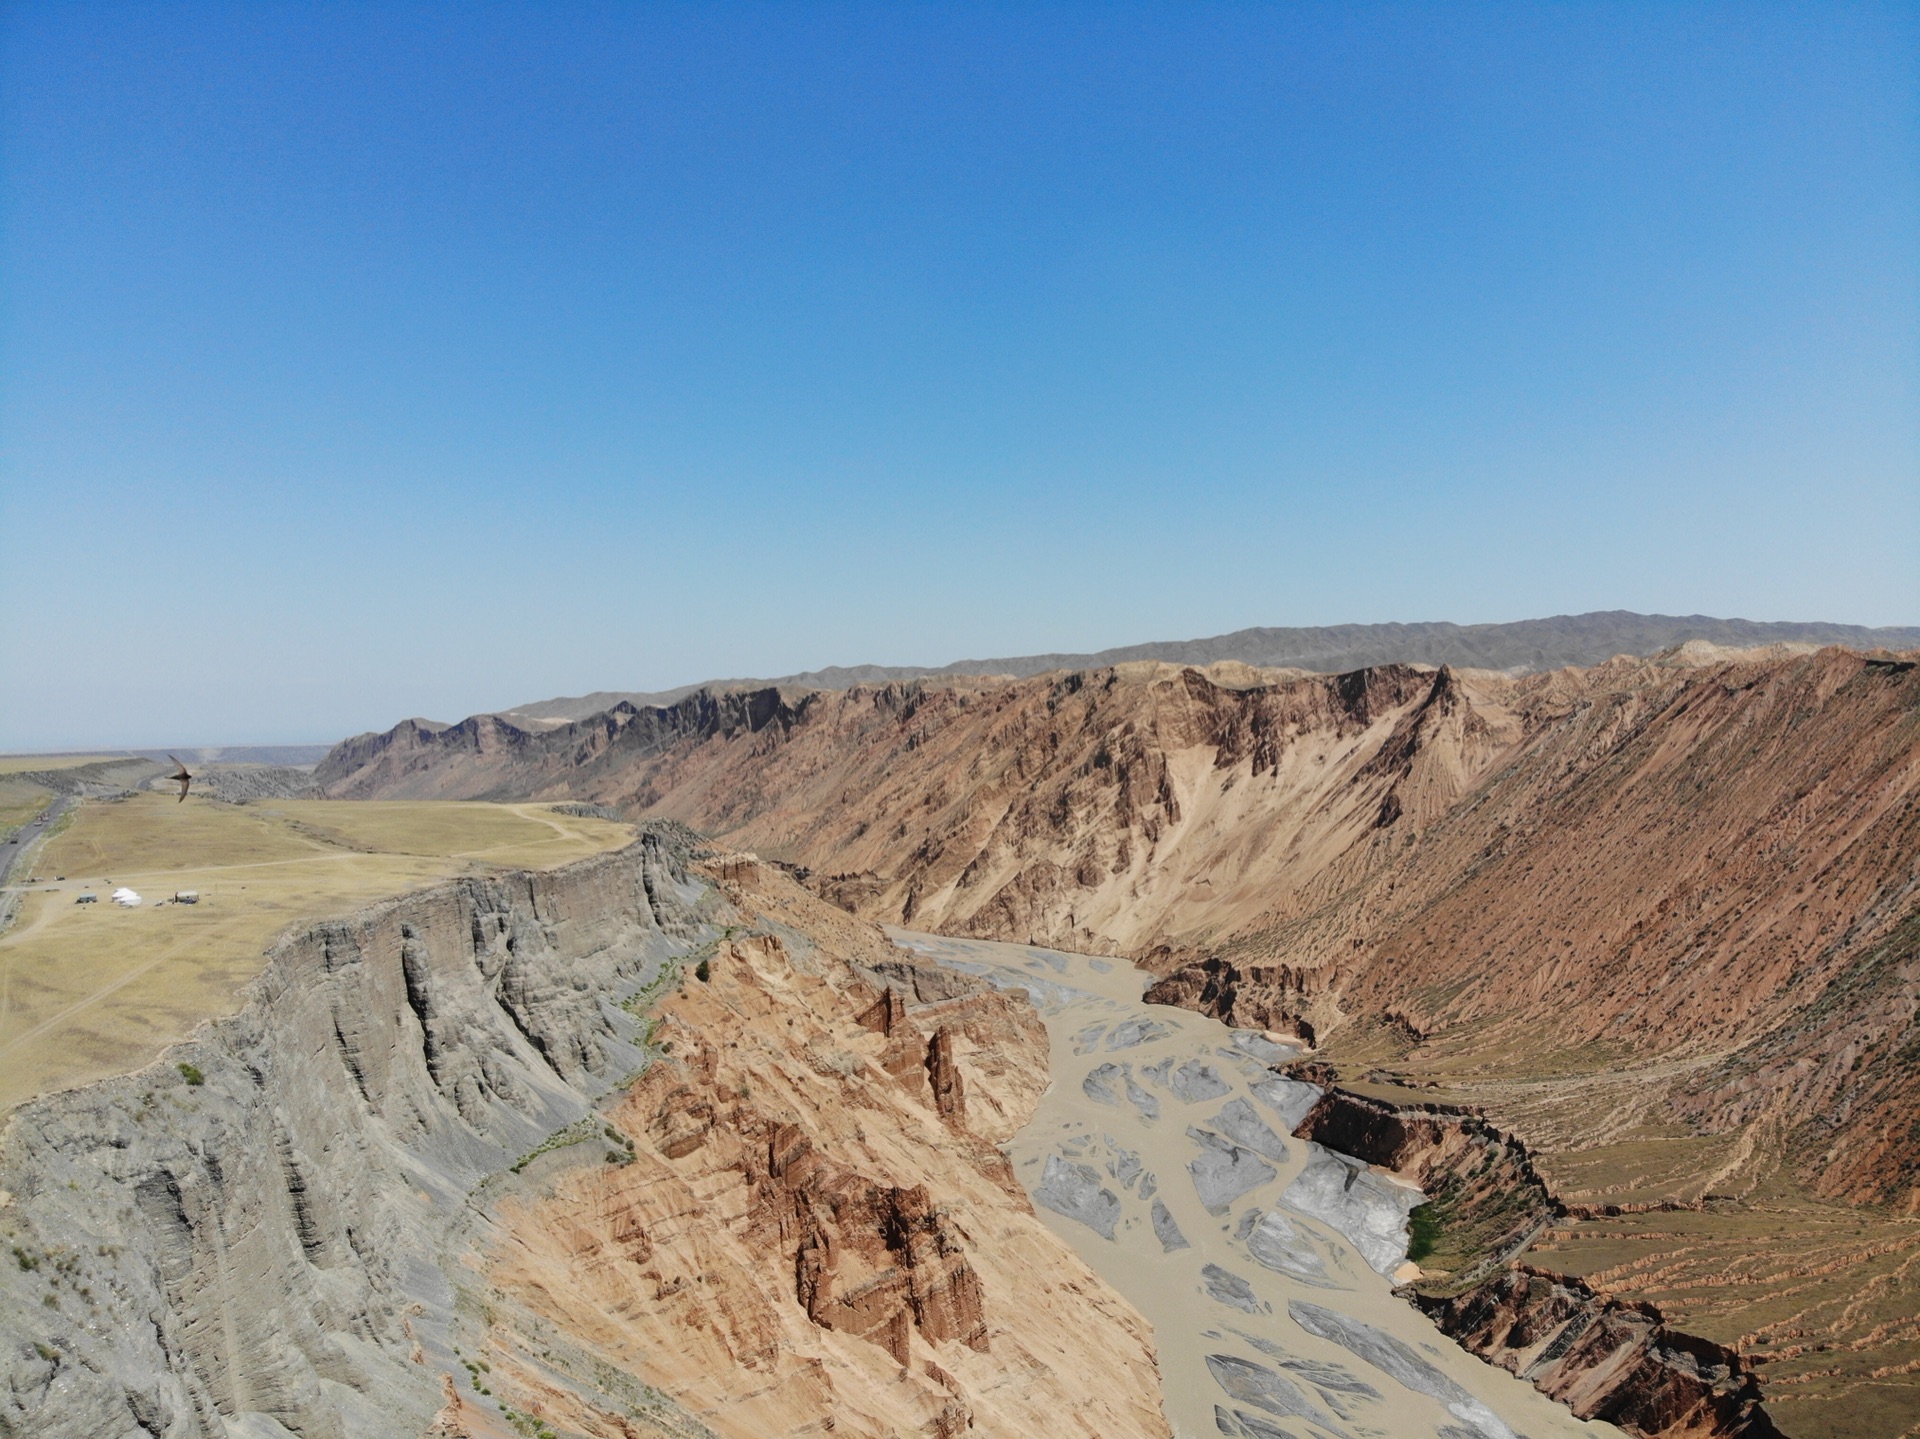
(577, 1132)
(24, 1259)
(622, 1153)
(1423, 1225)
(652, 992)
(191, 1073)
(526, 1424)
(1471, 1218)
(703, 971)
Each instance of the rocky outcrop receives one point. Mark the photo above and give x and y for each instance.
(243, 1234)
(243, 784)
(876, 1261)
(1485, 1201)
(349, 1211)
(943, 1076)
(418, 760)
(799, 1238)
(1605, 1358)
(1269, 997)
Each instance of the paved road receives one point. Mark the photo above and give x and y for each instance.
(22, 839)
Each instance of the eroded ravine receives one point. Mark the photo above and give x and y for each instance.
(1161, 1153)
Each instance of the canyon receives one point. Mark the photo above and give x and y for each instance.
(1655, 918)
(635, 1147)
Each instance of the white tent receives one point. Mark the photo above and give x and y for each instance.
(125, 898)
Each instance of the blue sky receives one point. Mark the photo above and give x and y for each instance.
(365, 361)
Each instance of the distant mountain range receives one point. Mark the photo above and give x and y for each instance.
(1523, 646)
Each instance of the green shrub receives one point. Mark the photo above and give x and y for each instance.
(703, 971)
(1424, 1225)
(191, 1074)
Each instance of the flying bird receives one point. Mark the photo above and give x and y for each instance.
(183, 779)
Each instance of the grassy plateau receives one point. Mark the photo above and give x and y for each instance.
(88, 990)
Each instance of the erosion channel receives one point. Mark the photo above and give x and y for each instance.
(1161, 1153)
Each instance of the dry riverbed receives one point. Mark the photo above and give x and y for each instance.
(1162, 1153)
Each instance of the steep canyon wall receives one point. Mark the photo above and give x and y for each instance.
(372, 1203)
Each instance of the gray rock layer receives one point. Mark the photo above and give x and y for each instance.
(259, 1253)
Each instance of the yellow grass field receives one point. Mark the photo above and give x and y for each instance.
(20, 763)
(20, 801)
(92, 990)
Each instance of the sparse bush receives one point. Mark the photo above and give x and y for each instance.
(703, 971)
(191, 1073)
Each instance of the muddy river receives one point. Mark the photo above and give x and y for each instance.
(1163, 1153)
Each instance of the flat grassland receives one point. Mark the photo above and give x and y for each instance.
(22, 763)
(20, 801)
(92, 990)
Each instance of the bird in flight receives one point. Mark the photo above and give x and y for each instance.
(182, 778)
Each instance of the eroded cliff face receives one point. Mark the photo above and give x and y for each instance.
(1671, 859)
(433, 1180)
(809, 1237)
(1271, 997)
(243, 1237)
(1605, 1358)
(1485, 1202)
(1658, 919)
(1602, 1356)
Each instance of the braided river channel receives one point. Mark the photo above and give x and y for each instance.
(1163, 1153)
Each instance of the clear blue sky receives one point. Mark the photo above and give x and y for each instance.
(366, 361)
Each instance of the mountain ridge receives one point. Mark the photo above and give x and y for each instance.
(1580, 640)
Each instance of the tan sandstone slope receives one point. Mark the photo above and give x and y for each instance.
(816, 1232)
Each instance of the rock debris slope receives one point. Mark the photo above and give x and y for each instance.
(433, 1180)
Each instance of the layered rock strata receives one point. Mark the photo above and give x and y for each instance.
(1676, 857)
(1483, 1194)
(1604, 1357)
(805, 1235)
(314, 1219)
(1247, 996)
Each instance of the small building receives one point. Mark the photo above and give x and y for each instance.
(88, 899)
(186, 896)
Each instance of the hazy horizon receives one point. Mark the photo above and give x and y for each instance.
(368, 362)
(148, 746)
